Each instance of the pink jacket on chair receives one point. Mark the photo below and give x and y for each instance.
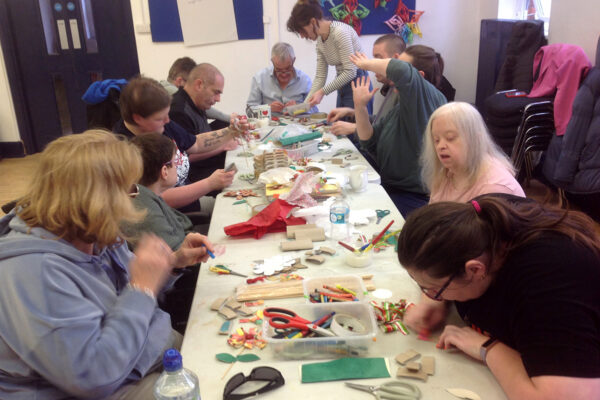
(562, 67)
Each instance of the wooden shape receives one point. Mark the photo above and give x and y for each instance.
(309, 253)
(413, 366)
(315, 234)
(291, 229)
(403, 358)
(217, 303)
(337, 161)
(404, 372)
(300, 244)
(231, 303)
(225, 327)
(428, 363)
(281, 290)
(299, 266)
(327, 250)
(227, 312)
(245, 311)
(316, 259)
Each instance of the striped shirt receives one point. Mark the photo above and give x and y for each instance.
(341, 42)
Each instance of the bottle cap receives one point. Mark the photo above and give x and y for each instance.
(172, 360)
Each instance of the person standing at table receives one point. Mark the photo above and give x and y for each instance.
(386, 46)
(280, 85)
(396, 140)
(336, 41)
(460, 159)
(78, 312)
(524, 277)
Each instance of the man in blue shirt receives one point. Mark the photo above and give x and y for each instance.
(280, 85)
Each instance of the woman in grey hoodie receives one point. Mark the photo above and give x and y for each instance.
(78, 313)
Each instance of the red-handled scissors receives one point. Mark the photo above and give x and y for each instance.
(285, 319)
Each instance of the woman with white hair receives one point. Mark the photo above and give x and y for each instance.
(460, 160)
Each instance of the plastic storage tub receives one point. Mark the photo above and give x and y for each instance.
(352, 282)
(356, 345)
(308, 148)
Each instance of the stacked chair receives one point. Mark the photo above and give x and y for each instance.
(534, 133)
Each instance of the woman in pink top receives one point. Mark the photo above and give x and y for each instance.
(460, 160)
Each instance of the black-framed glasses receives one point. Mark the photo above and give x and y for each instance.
(436, 294)
(270, 378)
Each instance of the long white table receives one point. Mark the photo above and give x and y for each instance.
(202, 341)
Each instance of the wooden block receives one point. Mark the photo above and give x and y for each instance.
(217, 303)
(227, 312)
(293, 228)
(300, 244)
(413, 366)
(403, 358)
(232, 303)
(327, 250)
(404, 372)
(428, 363)
(315, 234)
(245, 311)
(316, 259)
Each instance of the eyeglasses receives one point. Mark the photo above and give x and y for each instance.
(288, 70)
(436, 294)
(271, 377)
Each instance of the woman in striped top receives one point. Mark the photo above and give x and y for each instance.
(336, 41)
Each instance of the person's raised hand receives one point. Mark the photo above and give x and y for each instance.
(193, 250)
(339, 113)
(342, 128)
(277, 106)
(360, 60)
(221, 179)
(152, 264)
(239, 126)
(361, 92)
(316, 98)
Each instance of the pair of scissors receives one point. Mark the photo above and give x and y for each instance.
(223, 270)
(393, 390)
(280, 318)
(381, 214)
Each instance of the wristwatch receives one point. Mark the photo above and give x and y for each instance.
(486, 347)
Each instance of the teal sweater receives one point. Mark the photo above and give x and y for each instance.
(398, 137)
(162, 220)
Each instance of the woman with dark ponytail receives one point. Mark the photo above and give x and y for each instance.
(524, 277)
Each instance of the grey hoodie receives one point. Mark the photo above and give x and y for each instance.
(69, 326)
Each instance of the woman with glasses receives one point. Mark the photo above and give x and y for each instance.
(78, 312)
(524, 277)
(336, 41)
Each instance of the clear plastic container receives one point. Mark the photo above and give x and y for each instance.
(308, 148)
(176, 382)
(352, 282)
(319, 347)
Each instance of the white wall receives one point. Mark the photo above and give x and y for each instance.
(449, 26)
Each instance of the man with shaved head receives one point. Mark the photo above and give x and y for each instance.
(202, 89)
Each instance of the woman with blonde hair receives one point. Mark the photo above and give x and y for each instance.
(78, 312)
(460, 160)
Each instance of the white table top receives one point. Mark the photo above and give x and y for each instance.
(202, 341)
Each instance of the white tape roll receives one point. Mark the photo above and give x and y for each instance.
(347, 325)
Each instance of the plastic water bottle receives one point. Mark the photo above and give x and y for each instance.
(176, 382)
(339, 213)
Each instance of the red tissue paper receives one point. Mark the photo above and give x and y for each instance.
(271, 219)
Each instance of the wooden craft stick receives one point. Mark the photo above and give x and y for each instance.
(300, 244)
(281, 290)
(428, 363)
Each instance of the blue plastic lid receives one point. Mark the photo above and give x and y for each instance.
(172, 360)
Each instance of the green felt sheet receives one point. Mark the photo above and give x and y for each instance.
(345, 368)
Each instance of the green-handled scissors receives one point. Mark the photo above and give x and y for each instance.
(393, 390)
(381, 214)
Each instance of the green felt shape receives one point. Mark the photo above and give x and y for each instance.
(345, 368)
(240, 202)
(248, 357)
(226, 358)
